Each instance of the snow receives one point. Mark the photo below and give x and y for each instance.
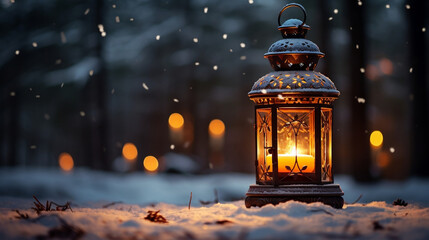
(113, 206)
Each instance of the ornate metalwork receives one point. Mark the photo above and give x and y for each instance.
(294, 107)
(294, 83)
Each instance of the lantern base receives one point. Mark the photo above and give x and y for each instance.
(260, 195)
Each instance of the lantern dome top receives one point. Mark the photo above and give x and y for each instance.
(296, 83)
(293, 52)
(293, 59)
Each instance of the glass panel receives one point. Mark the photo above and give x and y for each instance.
(296, 145)
(264, 143)
(326, 121)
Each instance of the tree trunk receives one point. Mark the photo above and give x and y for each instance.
(419, 88)
(359, 149)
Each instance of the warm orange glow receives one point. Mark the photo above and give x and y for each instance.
(386, 66)
(376, 139)
(150, 163)
(372, 72)
(216, 127)
(129, 151)
(304, 161)
(383, 159)
(176, 120)
(66, 162)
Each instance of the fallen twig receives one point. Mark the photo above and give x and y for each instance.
(321, 210)
(39, 207)
(190, 200)
(111, 204)
(21, 215)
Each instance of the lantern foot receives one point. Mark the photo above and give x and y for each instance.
(260, 195)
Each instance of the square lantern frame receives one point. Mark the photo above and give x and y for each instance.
(320, 141)
(295, 103)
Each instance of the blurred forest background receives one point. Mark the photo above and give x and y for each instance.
(82, 78)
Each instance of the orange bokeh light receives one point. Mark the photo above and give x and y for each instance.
(383, 159)
(216, 127)
(129, 151)
(150, 163)
(176, 120)
(376, 139)
(386, 66)
(66, 162)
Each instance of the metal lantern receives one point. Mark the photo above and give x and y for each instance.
(294, 123)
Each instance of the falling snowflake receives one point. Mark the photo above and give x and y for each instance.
(91, 72)
(424, 29)
(37, 96)
(242, 58)
(86, 11)
(113, 91)
(114, 6)
(117, 19)
(62, 85)
(361, 100)
(230, 50)
(407, 6)
(359, 2)
(411, 70)
(82, 113)
(34, 44)
(330, 18)
(47, 116)
(225, 36)
(145, 86)
(335, 11)
(250, 1)
(58, 61)
(172, 147)
(33, 147)
(101, 30)
(242, 45)
(387, 5)
(12, 94)
(17, 52)
(197, 63)
(392, 150)
(362, 70)
(176, 100)
(195, 40)
(215, 67)
(157, 37)
(357, 46)
(206, 9)
(131, 19)
(63, 37)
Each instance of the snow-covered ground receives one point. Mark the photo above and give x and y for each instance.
(90, 193)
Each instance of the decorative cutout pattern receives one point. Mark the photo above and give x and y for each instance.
(326, 117)
(264, 133)
(293, 81)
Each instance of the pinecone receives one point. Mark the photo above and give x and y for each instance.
(400, 202)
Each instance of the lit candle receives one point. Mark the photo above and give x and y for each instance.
(289, 160)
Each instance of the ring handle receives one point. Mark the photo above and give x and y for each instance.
(293, 5)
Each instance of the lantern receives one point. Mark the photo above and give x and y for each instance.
(293, 123)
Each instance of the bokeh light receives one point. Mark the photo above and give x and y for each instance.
(383, 159)
(129, 151)
(376, 139)
(176, 120)
(150, 163)
(66, 162)
(216, 127)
